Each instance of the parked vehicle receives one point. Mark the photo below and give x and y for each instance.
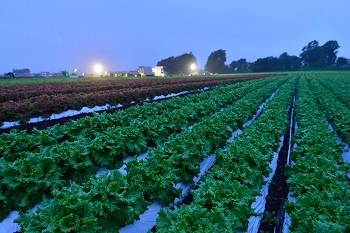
(145, 71)
(45, 75)
(9, 74)
(157, 71)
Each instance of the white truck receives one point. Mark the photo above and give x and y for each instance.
(145, 71)
(157, 71)
(45, 75)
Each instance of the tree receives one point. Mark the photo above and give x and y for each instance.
(329, 49)
(179, 64)
(311, 45)
(216, 62)
(239, 66)
(315, 56)
(342, 61)
(266, 64)
(287, 62)
(170, 65)
(184, 62)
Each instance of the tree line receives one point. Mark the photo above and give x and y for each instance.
(313, 56)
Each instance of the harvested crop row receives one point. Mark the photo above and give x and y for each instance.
(45, 105)
(17, 92)
(20, 92)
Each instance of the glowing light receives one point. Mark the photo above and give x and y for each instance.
(193, 66)
(98, 69)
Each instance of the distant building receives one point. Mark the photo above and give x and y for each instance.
(21, 72)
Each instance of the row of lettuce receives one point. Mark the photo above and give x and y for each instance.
(45, 100)
(318, 179)
(34, 165)
(222, 203)
(80, 209)
(334, 100)
(187, 130)
(339, 89)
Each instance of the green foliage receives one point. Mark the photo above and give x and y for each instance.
(335, 111)
(28, 179)
(318, 178)
(283, 63)
(216, 62)
(179, 64)
(315, 56)
(109, 202)
(266, 64)
(105, 203)
(71, 211)
(224, 197)
(239, 66)
(287, 62)
(342, 61)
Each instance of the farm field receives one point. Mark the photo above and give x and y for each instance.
(25, 101)
(279, 148)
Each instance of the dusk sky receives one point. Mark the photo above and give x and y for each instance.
(55, 35)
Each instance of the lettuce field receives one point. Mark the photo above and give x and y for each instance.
(21, 102)
(279, 146)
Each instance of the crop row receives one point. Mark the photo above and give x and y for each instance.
(45, 105)
(58, 158)
(336, 112)
(138, 117)
(318, 177)
(19, 92)
(183, 152)
(339, 88)
(222, 203)
(178, 158)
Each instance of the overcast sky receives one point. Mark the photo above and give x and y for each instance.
(54, 35)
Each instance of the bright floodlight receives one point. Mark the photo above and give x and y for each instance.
(193, 66)
(98, 69)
